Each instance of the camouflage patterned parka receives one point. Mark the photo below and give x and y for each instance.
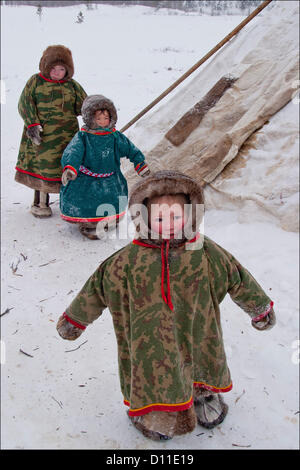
(55, 106)
(164, 300)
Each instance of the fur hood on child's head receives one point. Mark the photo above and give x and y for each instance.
(57, 55)
(94, 103)
(161, 183)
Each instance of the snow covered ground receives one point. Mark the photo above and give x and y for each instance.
(66, 395)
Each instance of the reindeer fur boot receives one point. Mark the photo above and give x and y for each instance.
(159, 425)
(40, 207)
(98, 230)
(89, 230)
(210, 408)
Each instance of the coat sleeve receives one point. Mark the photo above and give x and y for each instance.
(80, 96)
(229, 276)
(27, 104)
(127, 149)
(90, 302)
(73, 154)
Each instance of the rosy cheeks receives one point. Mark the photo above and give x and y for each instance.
(168, 227)
(58, 72)
(102, 119)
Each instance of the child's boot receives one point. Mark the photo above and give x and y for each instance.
(186, 421)
(88, 229)
(157, 425)
(105, 226)
(210, 409)
(40, 207)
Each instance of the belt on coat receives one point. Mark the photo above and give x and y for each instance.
(88, 172)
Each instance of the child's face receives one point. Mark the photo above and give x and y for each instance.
(102, 118)
(57, 72)
(167, 216)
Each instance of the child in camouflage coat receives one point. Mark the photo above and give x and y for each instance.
(49, 105)
(94, 191)
(163, 291)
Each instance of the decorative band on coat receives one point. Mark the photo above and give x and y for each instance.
(88, 172)
(158, 407)
(35, 175)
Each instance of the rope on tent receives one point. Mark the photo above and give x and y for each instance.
(200, 62)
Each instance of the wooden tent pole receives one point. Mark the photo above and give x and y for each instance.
(200, 62)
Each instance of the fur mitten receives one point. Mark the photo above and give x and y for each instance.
(66, 330)
(266, 322)
(67, 176)
(34, 134)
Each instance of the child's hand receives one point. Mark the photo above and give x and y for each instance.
(67, 176)
(265, 323)
(34, 134)
(66, 330)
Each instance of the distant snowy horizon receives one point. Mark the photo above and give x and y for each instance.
(202, 7)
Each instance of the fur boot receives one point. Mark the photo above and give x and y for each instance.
(210, 408)
(156, 425)
(40, 207)
(186, 421)
(159, 425)
(97, 230)
(88, 229)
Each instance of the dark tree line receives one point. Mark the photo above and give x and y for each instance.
(212, 7)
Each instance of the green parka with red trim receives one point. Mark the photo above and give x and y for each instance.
(164, 299)
(54, 105)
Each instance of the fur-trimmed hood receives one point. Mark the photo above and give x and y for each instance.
(56, 55)
(163, 183)
(94, 103)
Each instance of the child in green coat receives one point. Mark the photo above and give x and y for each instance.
(94, 192)
(163, 291)
(49, 105)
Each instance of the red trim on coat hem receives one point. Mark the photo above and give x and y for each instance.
(52, 81)
(95, 219)
(73, 322)
(212, 388)
(169, 407)
(37, 176)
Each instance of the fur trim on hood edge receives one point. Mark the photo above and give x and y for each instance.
(92, 104)
(162, 183)
(56, 55)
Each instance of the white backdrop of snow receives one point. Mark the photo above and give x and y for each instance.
(58, 399)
